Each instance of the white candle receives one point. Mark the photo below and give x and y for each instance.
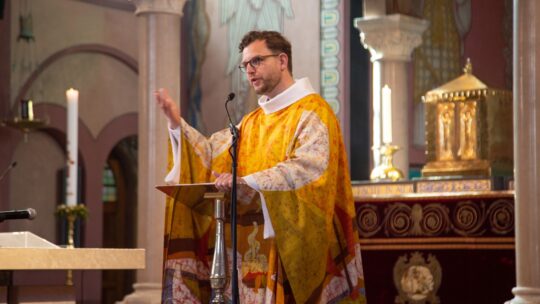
(72, 134)
(387, 114)
(30, 110)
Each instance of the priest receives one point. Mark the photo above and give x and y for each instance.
(297, 241)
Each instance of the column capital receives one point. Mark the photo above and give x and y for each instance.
(174, 7)
(391, 37)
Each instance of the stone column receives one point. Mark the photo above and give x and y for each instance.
(391, 40)
(527, 151)
(159, 66)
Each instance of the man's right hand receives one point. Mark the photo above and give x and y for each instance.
(169, 107)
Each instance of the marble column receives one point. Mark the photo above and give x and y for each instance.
(527, 151)
(391, 40)
(159, 66)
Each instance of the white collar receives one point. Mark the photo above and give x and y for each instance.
(300, 89)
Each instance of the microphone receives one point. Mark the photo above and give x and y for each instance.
(28, 214)
(231, 125)
(11, 166)
(229, 98)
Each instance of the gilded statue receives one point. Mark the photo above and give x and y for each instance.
(467, 127)
(445, 131)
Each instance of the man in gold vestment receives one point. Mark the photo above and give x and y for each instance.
(300, 244)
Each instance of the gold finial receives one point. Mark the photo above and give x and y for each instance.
(468, 67)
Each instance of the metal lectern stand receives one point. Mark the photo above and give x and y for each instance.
(218, 273)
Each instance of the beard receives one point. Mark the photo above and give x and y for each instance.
(267, 85)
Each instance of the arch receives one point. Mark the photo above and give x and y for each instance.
(114, 131)
(114, 53)
(119, 128)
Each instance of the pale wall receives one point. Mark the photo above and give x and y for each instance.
(33, 184)
(107, 88)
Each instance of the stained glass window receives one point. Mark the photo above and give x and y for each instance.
(109, 185)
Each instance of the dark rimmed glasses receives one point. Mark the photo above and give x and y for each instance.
(254, 62)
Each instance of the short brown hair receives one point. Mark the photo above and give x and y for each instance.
(274, 41)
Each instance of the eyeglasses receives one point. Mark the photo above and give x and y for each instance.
(254, 62)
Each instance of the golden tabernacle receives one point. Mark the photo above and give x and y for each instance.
(468, 129)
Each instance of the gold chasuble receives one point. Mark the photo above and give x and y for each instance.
(296, 239)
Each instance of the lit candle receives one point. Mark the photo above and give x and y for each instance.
(72, 133)
(30, 110)
(387, 114)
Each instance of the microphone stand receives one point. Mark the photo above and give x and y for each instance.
(233, 151)
(11, 166)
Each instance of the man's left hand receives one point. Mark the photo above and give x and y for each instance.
(223, 181)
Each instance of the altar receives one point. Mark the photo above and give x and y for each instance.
(25, 251)
(445, 241)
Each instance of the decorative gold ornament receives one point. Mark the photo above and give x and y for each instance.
(416, 280)
(79, 210)
(71, 213)
(385, 170)
(462, 218)
(465, 129)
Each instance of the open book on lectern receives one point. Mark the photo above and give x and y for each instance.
(192, 195)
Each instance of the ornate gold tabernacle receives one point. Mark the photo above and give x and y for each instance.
(468, 129)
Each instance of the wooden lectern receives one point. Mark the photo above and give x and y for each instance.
(206, 199)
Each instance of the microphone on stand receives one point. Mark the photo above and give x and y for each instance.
(11, 166)
(27, 214)
(233, 152)
(230, 97)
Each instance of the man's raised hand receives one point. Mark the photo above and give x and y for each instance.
(169, 107)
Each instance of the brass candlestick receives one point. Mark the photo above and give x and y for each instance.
(385, 170)
(71, 227)
(26, 120)
(71, 213)
(25, 125)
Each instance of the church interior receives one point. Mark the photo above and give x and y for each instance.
(436, 101)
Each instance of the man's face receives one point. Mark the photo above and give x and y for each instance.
(266, 75)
